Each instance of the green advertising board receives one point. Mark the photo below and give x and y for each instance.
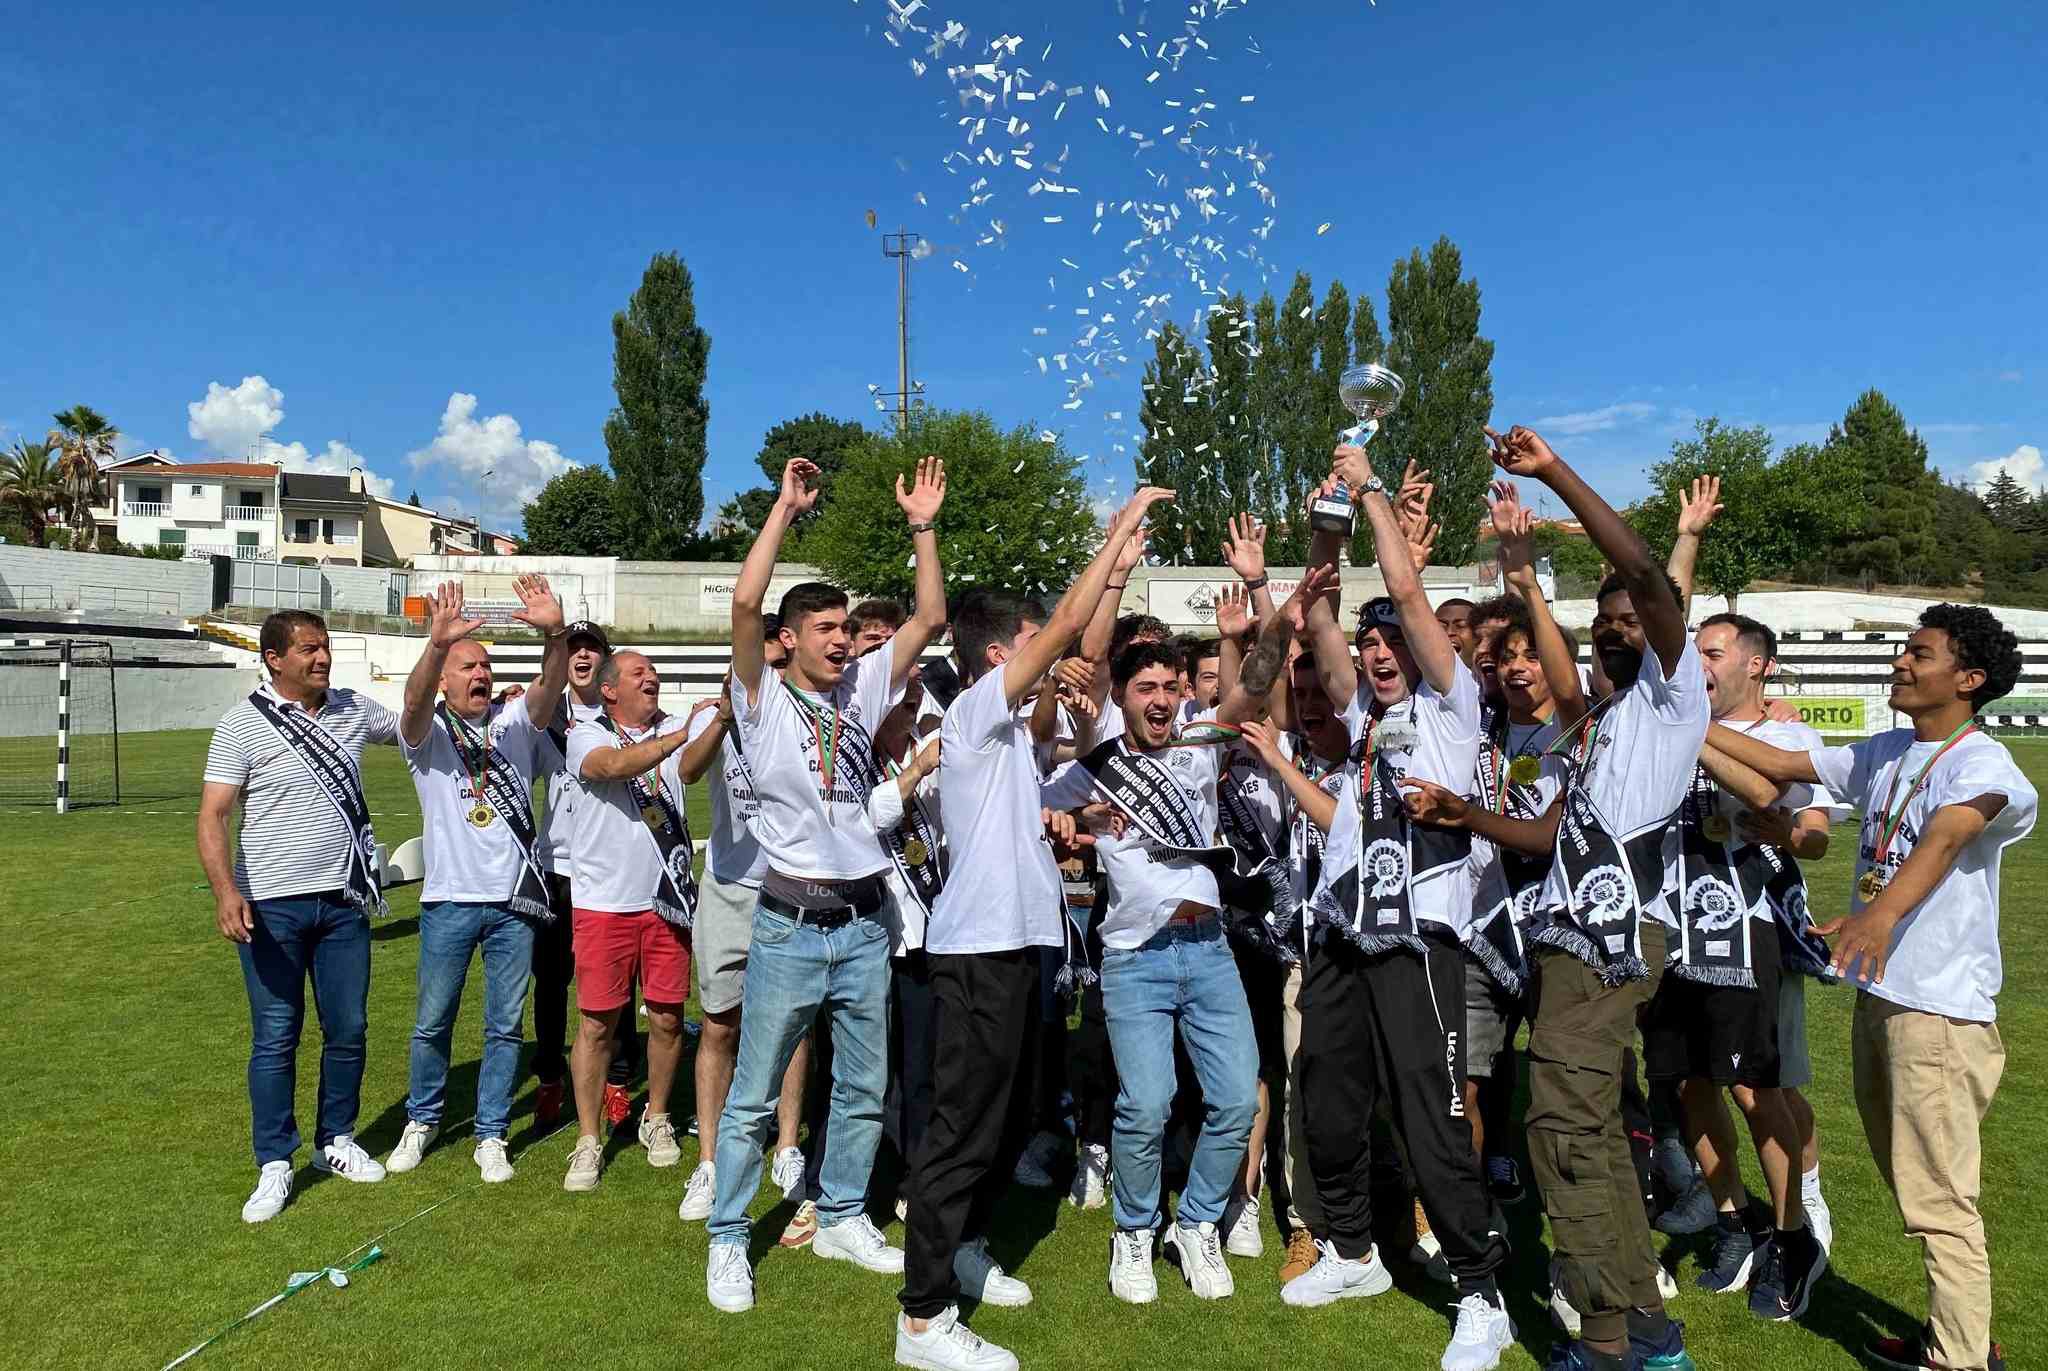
(1832, 713)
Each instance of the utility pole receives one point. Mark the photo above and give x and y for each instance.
(902, 246)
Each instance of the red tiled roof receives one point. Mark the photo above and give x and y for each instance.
(244, 469)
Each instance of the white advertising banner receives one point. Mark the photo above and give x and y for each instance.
(714, 593)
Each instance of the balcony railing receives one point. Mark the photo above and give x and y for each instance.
(337, 540)
(344, 540)
(146, 509)
(239, 552)
(248, 514)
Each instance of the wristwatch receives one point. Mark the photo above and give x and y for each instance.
(1375, 485)
(925, 527)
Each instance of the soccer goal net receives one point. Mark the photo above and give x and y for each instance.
(60, 737)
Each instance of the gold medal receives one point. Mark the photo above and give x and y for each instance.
(1716, 827)
(1524, 769)
(652, 816)
(1870, 885)
(915, 852)
(482, 816)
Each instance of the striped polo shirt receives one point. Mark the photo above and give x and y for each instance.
(292, 840)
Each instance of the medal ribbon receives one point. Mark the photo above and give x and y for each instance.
(1895, 818)
(475, 752)
(1590, 725)
(825, 727)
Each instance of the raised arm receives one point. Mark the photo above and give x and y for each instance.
(542, 612)
(1515, 526)
(1071, 614)
(1335, 666)
(699, 752)
(798, 496)
(920, 505)
(1774, 764)
(617, 763)
(1522, 453)
(1311, 799)
(1233, 621)
(1430, 803)
(1426, 638)
(1246, 697)
(1697, 507)
(1746, 784)
(1101, 630)
(1244, 551)
(446, 626)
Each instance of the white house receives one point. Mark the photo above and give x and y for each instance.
(247, 510)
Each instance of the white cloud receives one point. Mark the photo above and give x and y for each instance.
(1595, 420)
(2024, 464)
(235, 423)
(468, 447)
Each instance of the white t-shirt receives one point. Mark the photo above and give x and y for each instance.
(1445, 749)
(464, 862)
(618, 867)
(1004, 889)
(734, 857)
(1147, 882)
(1644, 748)
(1944, 955)
(800, 832)
(561, 786)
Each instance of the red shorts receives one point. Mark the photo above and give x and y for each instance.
(611, 948)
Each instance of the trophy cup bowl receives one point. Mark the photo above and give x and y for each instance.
(1370, 392)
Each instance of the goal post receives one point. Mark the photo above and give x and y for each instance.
(59, 724)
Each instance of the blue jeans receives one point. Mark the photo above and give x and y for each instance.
(330, 938)
(449, 932)
(1184, 977)
(792, 972)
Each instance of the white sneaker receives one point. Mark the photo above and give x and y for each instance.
(1567, 1317)
(1334, 1278)
(1130, 1266)
(902, 1209)
(728, 1280)
(949, 1345)
(584, 1165)
(1819, 1220)
(412, 1146)
(658, 1136)
(1091, 1178)
(273, 1189)
(698, 1193)
(787, 1172)
(1241, 1228)
(1482, 1334)
(1667, 1284)
(1199, 1251)
(343, 1157)
(490, 1159)
(857, 1240)
(982, 1277)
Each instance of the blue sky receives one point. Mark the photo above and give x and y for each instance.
(415, 222)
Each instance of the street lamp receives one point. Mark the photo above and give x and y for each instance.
(483, 484)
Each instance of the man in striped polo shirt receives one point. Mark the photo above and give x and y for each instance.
(296, 892)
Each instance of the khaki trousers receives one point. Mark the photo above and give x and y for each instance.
(1923, 1084)
(1301, 1183)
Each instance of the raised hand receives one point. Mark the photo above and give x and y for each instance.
(1127, 556)
(799, 494)
(1699, 506)
(1130, 520)
(1264, 740)
(1315, 582)
(1075, 673)
(1244, 547)
(1522, 453)
(1512, 525)
(1417, 490)
(446, 623)
(920, 504)
(1349, 465)
(540, 610)
(1233, 611)
(1430, 803)
(1421, 536)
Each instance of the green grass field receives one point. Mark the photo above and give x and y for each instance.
(124, 1159)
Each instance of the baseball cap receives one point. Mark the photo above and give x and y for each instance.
(1378, 612)
(584, 628)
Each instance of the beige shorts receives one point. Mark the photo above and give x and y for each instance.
(724, 927)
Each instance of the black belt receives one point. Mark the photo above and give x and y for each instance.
(866, 903)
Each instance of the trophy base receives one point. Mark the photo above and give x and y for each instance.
(1329, 514)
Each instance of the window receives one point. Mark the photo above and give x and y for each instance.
(149, 495)
(250, 499)
(327, 530)
(246, 540)
(303, 530)
(170, 537)
(198, 490)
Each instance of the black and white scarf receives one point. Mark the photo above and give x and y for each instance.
(922, 868)
(1498, 929)
(1366, 893)
(1608, 882)
(1256, 896)
(510, 794)
(668, 828)
(1145, 792)
(1721, 888)
(339, 779)
(1800, 949)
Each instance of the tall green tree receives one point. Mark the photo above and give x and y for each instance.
(1896, 540)
(574, 516)
(655, 437)
(1176, 451)
(1776, 515)
(1433, 342)
(1236, 472)
(1269, 485)
(85, 442)
(2006, 499)
(1300, 432)
(1016, 512)
(815, 436)
(31, 487)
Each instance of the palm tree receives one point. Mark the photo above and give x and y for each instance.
(85, 442)
(29, 483)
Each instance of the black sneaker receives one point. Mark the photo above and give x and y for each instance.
(1504, 1180)
(1797, 1272)
(1695, 1212)
(1734, 1256)
(1767, 1291)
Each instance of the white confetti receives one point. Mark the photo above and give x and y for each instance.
(1017, 468)
(1322, 229)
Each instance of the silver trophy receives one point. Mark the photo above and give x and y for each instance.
(1371, 392)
